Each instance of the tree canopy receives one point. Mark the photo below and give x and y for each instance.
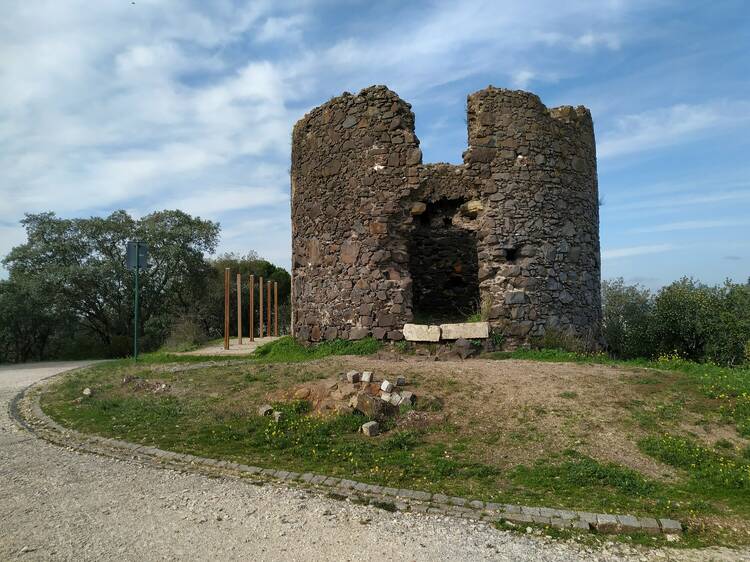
(69, 291)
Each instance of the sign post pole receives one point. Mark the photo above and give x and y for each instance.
(137, 294)
(136, 257)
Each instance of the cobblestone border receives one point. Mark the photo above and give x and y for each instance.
(25, 408)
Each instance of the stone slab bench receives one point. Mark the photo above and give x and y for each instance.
(435, 333)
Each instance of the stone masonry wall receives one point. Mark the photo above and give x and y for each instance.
(527, 194)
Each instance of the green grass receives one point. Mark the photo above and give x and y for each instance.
(723, 472)
(287, 349)
(212, 413)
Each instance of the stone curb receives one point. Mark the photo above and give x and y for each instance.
(27, 411)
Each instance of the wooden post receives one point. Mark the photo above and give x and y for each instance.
(226, 308)
(260, 308)
(276, 308)
(251, 285)
(239, 309)
(268, 307)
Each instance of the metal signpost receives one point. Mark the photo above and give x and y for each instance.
(137, 258)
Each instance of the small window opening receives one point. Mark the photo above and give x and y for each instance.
(511, 254)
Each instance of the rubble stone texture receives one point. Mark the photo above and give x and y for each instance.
(380, 239)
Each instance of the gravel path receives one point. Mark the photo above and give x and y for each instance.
(58, 504)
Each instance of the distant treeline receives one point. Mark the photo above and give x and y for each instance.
(686, 319)
(69, 293)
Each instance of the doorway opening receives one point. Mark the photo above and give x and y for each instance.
(444, 266)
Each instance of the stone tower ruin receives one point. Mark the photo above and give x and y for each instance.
(380, 239)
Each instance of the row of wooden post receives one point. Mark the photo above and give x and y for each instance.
(251, 307)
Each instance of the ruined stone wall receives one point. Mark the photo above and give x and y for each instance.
(526, 195)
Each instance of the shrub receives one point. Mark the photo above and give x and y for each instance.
(627, 314)
(687, 320)
(684, 314)
(186, 334)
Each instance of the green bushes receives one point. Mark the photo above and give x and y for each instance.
(685, 319)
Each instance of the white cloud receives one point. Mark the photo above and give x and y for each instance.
(636, 251)
(522, 78)
(212, 202)
(281, 28)
(185, 103)
(676, 124)
(691, 225)
(678, 200)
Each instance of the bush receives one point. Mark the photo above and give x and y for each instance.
(626, 319)
(186, 334)
(685, 313)
(686, 319)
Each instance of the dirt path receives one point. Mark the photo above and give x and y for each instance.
(56, 504)
(246, 348)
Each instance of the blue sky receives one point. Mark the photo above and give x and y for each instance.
(168, 104)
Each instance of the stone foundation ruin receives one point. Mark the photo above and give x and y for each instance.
(380, 239)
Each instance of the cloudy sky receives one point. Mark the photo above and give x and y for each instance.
(158, 104)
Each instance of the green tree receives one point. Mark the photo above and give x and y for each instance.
(684, 317)
(627, 313)
(29, 319)
(80, 265)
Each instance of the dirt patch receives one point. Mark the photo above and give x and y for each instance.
(520, 411)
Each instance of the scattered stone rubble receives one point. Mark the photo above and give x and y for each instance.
(354, 392)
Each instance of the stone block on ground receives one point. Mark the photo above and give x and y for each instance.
(395, 399)
(385, 396)
(265, 410)
(386, 386)
(628, 523)
(408, 397)
(366, 376)
(278, 416)
(464, 348)
(607, 523)
(371, 428)
(372, 406)
(467, 330)
(421, 332)
(649, 525)
(353, 376)
(400, 381)
(670, 526)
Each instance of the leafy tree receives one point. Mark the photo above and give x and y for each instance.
(29, 319)
(683, 318)
(80, 265)
(627, 312)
